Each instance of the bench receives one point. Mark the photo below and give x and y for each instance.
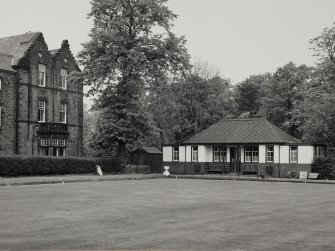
(313, 176)
(214, 170)
(211, 169)
(249, 169)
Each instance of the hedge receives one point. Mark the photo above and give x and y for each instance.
(19, 165)
(325, 167)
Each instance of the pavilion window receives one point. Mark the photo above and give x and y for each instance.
(269, 154)
(194, 154)
(251, 154)
(293, 154)
(219, 154)
(175, 154)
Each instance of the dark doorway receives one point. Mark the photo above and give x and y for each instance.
(234, 160)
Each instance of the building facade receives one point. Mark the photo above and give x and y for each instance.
(242, 146)
(41, 104)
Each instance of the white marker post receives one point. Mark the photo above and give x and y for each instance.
(99, 171)
(166, 172)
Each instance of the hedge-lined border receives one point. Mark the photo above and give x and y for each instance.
(22, 165)
(325, 167)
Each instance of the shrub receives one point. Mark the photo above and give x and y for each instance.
(19, 165)
(325, 167)
(110, 165)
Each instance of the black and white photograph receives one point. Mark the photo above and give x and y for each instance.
(167, 125)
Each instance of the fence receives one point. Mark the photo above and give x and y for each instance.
(133, 168)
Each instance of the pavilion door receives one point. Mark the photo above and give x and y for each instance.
(234, 160)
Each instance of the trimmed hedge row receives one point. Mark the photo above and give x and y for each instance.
(19, 165)
(325, 167)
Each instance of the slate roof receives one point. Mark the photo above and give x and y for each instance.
(151, 150)
(6, 62)
(234, 131)
(15, 47)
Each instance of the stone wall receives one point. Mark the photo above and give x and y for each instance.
(7, 103)
(29, 93)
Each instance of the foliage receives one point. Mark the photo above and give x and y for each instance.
(124, 61)
(325, 167)
(319, 103)
(248, 94)
(185, 106)
(283, 96)
(323, 45)
(90, 124)
(18, 165)
(318, 108)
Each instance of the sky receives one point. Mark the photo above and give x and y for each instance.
(238, 37)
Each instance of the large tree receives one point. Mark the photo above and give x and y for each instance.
(131, 50)
(248, 94)
(319, 108)
(324, 45)
(283, 95)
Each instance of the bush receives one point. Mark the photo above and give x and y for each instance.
(19, 165)
(325, 167)
(109, 165)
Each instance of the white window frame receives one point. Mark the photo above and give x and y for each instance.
(194, 153)
(62, 142)
(63, 74)
(251, 154)
(293, 154)
(41, 111)
(216, 153)
(270, 154)
(248, 154)
(41, 70)
(219, 154)
(55, 141)
(63, 110)
(255, 157)
(45, 141)
(175, 153)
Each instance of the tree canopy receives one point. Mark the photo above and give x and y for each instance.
(131, 50)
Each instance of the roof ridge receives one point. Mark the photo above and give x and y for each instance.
(273, 130)
(245, 119)
(7, 55)
(19, 35)
(203, 131)
(273, 127)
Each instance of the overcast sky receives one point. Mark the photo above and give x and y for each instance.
(239, 37)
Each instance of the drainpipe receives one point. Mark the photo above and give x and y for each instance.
(237, 158)
(278, 175)
(185, 161)
(16, 145)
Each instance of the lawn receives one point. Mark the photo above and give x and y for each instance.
(168, 214)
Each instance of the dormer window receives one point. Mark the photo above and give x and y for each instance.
(63, 73)
(41, 71)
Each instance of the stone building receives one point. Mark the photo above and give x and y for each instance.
(41, 107)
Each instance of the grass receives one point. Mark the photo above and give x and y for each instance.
(168, 214)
